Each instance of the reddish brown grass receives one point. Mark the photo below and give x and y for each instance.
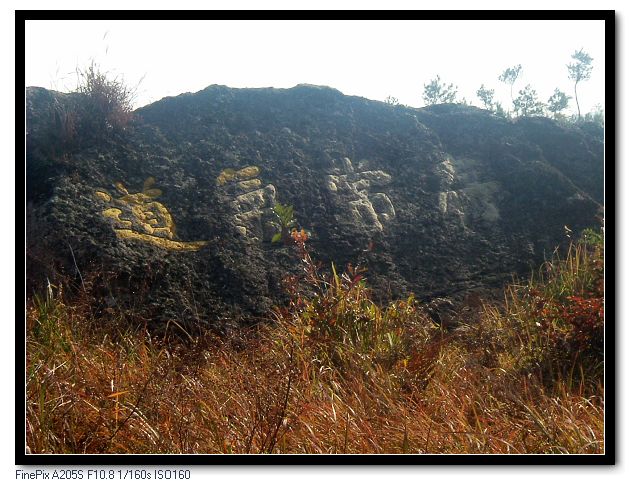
(334, 374)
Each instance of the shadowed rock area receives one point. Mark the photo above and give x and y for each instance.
(173, 219)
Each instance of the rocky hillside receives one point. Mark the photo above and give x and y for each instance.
(174, 218)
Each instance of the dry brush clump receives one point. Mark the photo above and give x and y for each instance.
(333, 373)
(106, 102)
(100, 107)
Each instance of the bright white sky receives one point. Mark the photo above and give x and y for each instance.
(373, 59)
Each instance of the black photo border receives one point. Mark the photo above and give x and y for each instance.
(607, 458)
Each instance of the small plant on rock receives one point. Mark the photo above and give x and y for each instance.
(285, 216)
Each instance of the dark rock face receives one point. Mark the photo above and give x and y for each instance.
(178, 211)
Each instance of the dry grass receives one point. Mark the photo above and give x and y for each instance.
(106, 103)
(334, 374)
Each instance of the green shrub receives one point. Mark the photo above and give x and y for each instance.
(334, 320)
(558, 317)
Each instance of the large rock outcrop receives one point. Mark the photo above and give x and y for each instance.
(175, 217)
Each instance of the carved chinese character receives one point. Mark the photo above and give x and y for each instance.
(139, 216)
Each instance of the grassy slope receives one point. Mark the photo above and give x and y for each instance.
(335, 373)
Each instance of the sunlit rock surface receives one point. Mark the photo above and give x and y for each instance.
(173, 220)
